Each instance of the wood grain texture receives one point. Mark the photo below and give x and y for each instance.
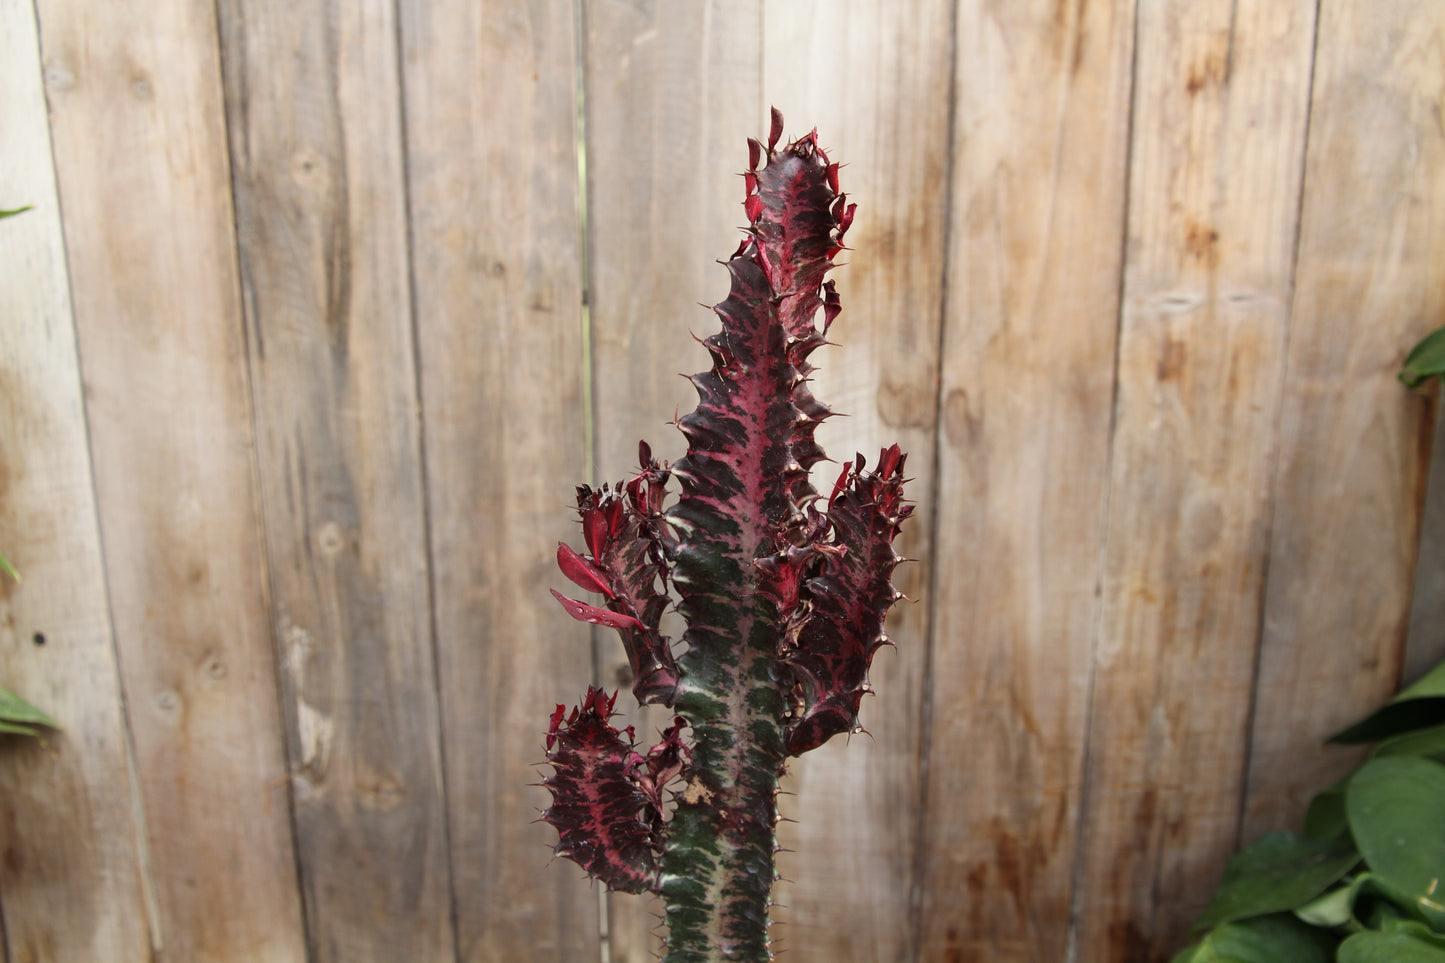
(72, 875)
(1355, 444)
(491, 135)
(1041, 141)
(1220, 108)
(314, 108)
(672, 94)
(141, 161)
(874, 79)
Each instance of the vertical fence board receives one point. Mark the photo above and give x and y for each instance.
(1038, 204)
(138, 127)
(490, 131)
(672, 92)
(71, 876)
(1371, 282)
(873, 78)
(320, 201)
(1220, 106)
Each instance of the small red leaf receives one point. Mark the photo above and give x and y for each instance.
(832, 305)
(841, 483)
(583, 612)
(594, 530)
(754, 207)
(582, 572)
(755, 154)
(832, 172)
(777, 131)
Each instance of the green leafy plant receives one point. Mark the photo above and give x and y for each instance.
(784, 595)
(1366, 880)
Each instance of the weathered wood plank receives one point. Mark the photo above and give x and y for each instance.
(1039, 180)
(72, 873)
(1354, 443)
(873, 77)
(1220, 107)
(314, 108)
(491, 135)
(672, 95)
(141, 163)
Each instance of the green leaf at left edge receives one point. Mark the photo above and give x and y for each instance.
(1416, 707)
(1265, 939)
(1399, 946)
(8, 569)
(1280, 871)
(1396, 808)
(11, 213)
(1425, 360)
(23, 715)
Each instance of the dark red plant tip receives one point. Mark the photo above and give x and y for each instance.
(890, 461)
(755, 154)
(777, 130)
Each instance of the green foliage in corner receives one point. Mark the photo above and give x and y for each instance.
(1365, 883)
(1426, 361)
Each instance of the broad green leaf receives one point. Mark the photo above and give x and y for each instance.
(1396, 808)
(1425, 360)
(1393, 947)
(1416, 707)
(1330, 910)
(16, 710)
(17, 729)
(1325, 818)
(1429, 743)
(1264, 939)
(1281, 871)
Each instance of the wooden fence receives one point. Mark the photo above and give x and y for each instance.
(315, 326)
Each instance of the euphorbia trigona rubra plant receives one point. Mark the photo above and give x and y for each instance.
(784, 599)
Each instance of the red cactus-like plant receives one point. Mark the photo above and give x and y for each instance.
(784, 600)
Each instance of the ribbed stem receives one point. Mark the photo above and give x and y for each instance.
(718, 869)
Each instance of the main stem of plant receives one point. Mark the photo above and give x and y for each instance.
(784, 598)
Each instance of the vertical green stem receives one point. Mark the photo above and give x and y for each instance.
(718, 869)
